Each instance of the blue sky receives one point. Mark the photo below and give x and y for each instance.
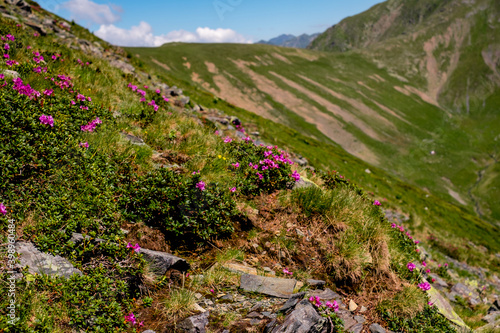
(152, 22)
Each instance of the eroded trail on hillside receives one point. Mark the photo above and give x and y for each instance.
(480, 176)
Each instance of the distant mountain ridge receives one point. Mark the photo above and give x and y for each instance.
(287, 40)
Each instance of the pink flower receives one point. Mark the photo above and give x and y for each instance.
(376, 203)
(333, 306)
(445, 265)
(416, 242)
(10, 37)
(427, 271)
(260, 176)
(146, 87)
(130, 318)
(47, 120)
(287, 272)
(433, 280)
(6, 46)
(73, 102)
(439, 265)
(296, 176)
(3, 209)
(430, 303)
(227, 139)
(424, 286)
(135, 247)
(424, 264)
(158, 91)
(233, 189)
(411, 266)
(84, 144)
(236, 165)
(6, 56)
(417, 250)
(212, 291)
(201, 186)
(393, 225)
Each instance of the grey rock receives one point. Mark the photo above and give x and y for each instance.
(195, 324)
(492, 317)
(270, 326)
(255, 315)
(223, 121)
(328, 295)
(161, 262)
(272, 286)
(255, 321)
(360, 319)
(11, 74)
(291, 302)
(133, 139)
(363, 309)
(44, 263)
(122, 65)
(439, 282)
(316, 283)
(235, 121)
(77, 238)
(356, 328)
(376, 328)
(348, 319)
(36, 27)
(303, 183)
(256, 307)
(302, 320)
(149, 331)
(10, 17)
(255, 133)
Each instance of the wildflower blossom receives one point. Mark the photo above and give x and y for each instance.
(393, 225)
(6, 46)
(296, 176)
(3, 209)
(424, 286)
(260, 176)
(236, 165)
(6, 56)
(47, 120)
(233, 189)
(287, 272)
(376, 203)
(430, 303)
(84, 144)
(158, 91)
(227, 139)
(201, 186)
(131, 318)
(411, 266)
(333, 306)
(427, 271)
(433, 280)
(10, 37)
(416, 242)
(424, 263)
(135, 247)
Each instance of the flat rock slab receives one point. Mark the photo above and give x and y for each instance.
(195, 324)
(271, 286)
(242, 269)
(302, 320)
(161, 262)
(445, 308)
(44, 263)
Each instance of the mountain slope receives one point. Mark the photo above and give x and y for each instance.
(299, 42)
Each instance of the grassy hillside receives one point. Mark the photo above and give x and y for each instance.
(345, 100)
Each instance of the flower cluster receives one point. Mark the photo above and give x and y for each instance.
(90, 127)
(84, 144)
(130, 318)
(424, 286)
(3, 209)
(411, 266)
(407, 233)
(40, 69)
(287, 272)
(24, 89)
(135, 247)
(316, 301)
(376, 203)
(201, 186)
(296, 176)
(47, 120)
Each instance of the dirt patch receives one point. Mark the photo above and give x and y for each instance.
(408, 91)
(327, 124)
(365, 86)
(148, 238)
(391, 112)
(195, 77)
(280, 57)
(162, 65)
(335, 109)
(357, 105)
(377, 78)
(436, 79)
(211, 67)
(187, 65)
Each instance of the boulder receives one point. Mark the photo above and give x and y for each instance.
(195, 324)
(356, 328)
(133, 139)
(303, 183)
(291, 302)
(314, 283)
(120, 64)
(272, 286)
(161, 262)
(376, 328)
(439, 282)
(44, 263)
(302, 320)
(445, 308)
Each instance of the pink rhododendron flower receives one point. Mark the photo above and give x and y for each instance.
(201, 186)
(260, 176)
(130, 318)
(48, 92)
(416, 242)
(47, 120)
(236, 165)
(287, 272)
(84, 144)
(332, 306)
(296, 176)
(233, 189)
(393, 225)
(227, 139)
(10, 37)
(6, 46)
(411, 266)
(158, 91)
(6, 56)
(135, 247)
(433, 280)
(376, 203)
(430, 303)
(424, 286)
(3, 209)
(427, 271)
(424, 263)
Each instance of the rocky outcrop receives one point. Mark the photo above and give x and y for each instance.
(276, 287)
(195, 324)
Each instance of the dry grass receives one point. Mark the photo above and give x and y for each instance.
(406, 303)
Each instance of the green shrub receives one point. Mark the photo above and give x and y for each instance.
(429, 320)
(174, 202)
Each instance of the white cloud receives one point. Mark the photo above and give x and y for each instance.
(142, 35)
(86, 10)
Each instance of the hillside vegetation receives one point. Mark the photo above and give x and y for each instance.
(109, 176)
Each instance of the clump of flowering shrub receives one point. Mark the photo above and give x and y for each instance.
(259, 168)
(180, 205)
